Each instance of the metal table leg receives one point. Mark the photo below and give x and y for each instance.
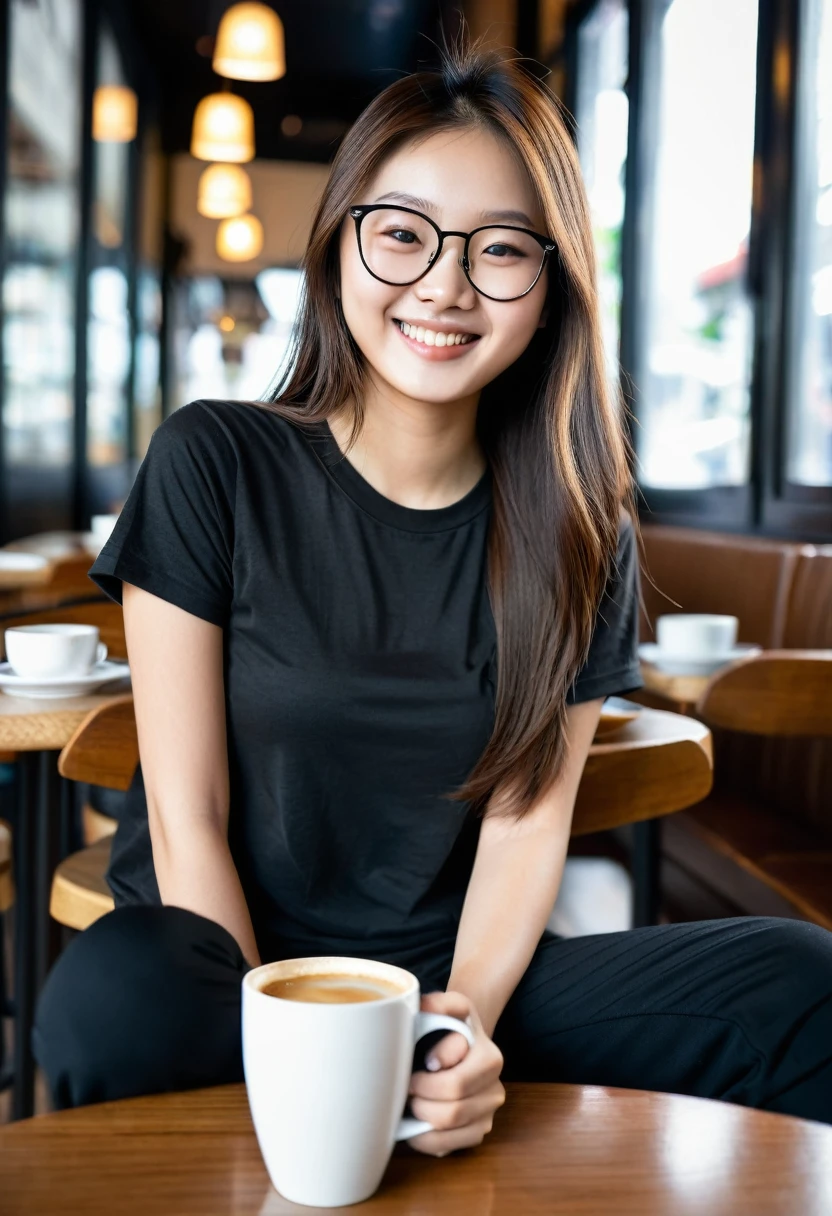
(646, 859)
(37, 841)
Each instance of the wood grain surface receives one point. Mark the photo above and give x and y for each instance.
(777, 692)
(29, 724)
(682, 690)
(557, 1149)
(659, 763)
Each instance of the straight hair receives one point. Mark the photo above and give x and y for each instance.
(550, 426)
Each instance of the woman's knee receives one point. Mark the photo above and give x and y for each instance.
(146, 1000)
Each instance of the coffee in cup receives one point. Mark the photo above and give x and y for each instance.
(49, 652)
(327, 1052)
(330, 988)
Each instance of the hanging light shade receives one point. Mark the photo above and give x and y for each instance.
(240, 239)
(223, 129)
(250, 44)
(115, 111)
(224, 191)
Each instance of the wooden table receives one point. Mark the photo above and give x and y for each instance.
(562, 1150)
(682, 692)
(36, 729)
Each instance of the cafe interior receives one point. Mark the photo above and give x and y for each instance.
(159, 170)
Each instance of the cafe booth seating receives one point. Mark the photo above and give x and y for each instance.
(761, 842)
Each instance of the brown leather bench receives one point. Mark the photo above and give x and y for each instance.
(762, 841)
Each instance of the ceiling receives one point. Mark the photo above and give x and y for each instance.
(339, 54)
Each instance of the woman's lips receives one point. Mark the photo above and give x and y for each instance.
(436, 354)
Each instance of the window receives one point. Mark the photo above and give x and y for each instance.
(231, 337)
(693, 388)
(108, 329)
(42, 233)
(601, 112)
(809, 396)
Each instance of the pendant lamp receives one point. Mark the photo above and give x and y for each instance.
(223, 129)
(223, 191)
(240, 239)
(114, 114)
(250, 44)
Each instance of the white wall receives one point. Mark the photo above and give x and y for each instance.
(285, 196)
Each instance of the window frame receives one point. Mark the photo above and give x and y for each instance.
(767, 503)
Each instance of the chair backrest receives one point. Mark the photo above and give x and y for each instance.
(719, 572)
(809, 616)
(657, 764)
(105, 748)
(107, 615)
(776, 693)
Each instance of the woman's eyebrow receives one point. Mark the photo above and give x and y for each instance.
(423, 204)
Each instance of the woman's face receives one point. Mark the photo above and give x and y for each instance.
(461, 179)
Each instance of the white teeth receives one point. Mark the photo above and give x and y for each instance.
(432, 337)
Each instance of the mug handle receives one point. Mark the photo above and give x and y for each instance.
(101, 653)
(424, 1024)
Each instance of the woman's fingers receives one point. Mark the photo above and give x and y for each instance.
(478, 1069)
(448, 1116)
(439, 1144)
(448, 1052)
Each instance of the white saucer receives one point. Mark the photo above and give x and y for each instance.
(61, 686)
(684, 665)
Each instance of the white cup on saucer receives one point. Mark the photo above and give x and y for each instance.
(696, 635)
(51, 652)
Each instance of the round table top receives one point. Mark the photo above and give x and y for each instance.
(31, 724)
(555, 1149)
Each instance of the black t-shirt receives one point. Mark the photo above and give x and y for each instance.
(360, 669)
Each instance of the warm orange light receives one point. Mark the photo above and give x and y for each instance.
(250, 44)
(115, 111)
(226, 324)
(224, 191)
(240, 239)
(223, 129)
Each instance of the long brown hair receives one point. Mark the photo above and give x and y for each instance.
(549, 426)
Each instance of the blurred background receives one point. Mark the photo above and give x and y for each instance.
(160, 161)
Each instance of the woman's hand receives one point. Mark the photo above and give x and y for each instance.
(461, 1096)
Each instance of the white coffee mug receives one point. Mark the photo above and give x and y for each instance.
(327, 1083)
(48, 652)
(696, 635)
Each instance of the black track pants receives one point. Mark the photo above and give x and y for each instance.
(148, 1000)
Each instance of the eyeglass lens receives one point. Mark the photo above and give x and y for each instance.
(398, 247)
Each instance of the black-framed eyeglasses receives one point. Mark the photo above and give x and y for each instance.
(398, 246)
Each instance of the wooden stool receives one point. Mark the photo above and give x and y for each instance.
(103, 751)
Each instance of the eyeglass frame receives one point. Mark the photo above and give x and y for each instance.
(358, 212)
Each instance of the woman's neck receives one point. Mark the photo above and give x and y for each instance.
(417, 454)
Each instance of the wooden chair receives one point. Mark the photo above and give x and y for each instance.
(655, 765)
(775, 695)
(103, 751)
(6, 880)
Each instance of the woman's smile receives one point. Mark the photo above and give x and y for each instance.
(435, 345)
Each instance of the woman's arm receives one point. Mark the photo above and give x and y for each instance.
(176, 662)
(515, 881)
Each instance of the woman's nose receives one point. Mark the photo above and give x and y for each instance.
(446, 280)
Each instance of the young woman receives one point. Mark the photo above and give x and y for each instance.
(371, 625)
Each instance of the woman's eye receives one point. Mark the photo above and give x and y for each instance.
(401, 235)
(504, 251)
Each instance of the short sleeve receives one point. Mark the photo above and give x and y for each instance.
(612, 665)
(175, 535)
